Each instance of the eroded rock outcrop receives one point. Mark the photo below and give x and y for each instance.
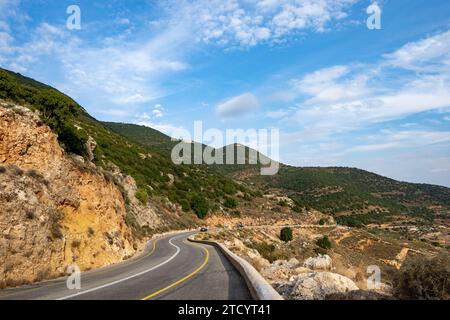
(55, 210)
(315, 286)
(321, 262)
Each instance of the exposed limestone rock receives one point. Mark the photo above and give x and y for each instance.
(91, 144)
(315, 286)
(251, 255)
(171, 178)
(55, 209)
(321, 262)
(280, 270)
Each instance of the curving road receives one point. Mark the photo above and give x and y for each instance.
(170, 268)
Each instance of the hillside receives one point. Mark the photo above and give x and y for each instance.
(143, 135)
(358, 197)
(354, 196)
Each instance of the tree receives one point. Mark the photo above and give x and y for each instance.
(324, 242)
(200, 206)
(286, 234)
(230, 203)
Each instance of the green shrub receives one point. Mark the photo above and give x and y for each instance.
(229, 188)
(424, 279)
(286, 234)
(324, 243)
(230, 203)
(2, 169)
(200, 206)
(322, 222)
(142, 196)
(184, 205)
(73, 139)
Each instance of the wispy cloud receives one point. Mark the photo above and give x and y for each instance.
(346, 97)
(405, 139)
(237, 106)
(125, 73)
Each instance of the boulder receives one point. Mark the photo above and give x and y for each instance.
(316, 286)
(321, 262)
(280, 270)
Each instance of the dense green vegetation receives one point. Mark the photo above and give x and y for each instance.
(200, 206)
(357, 192)
(286, 234)
(143, 135)
(230, 203)
(324, 243)
(360, 220)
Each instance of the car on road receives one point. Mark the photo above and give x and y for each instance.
(204, 230)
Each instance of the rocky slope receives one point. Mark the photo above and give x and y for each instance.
(55, 209)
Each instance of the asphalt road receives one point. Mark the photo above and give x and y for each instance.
(171, 268)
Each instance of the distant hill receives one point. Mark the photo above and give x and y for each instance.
(356, 196)
(343, 192)
(143, 135)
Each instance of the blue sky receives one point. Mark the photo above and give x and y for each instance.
(341, 94)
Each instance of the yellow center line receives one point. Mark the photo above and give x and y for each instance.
(182, 279)
(153, 249)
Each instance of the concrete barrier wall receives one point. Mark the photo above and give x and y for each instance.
(259, 288)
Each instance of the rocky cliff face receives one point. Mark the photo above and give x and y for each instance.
(55, 209)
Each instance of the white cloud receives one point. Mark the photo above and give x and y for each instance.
(419, 55)
(247, 23)
(166, 128)
(237, 106)
(347, 97)
(403, 139)
(118, 73)
(277, 114)
(158, 111)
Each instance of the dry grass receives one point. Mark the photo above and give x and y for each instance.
(424, 279)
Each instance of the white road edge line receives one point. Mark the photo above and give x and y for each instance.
(130, 277)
